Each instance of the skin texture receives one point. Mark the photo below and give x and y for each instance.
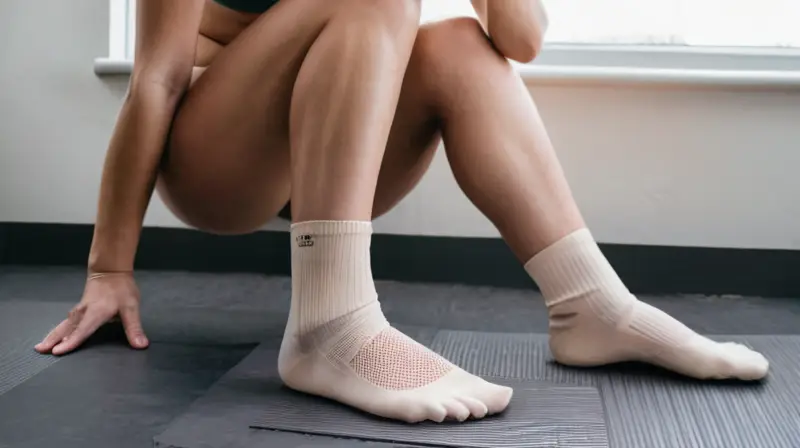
(336, 106)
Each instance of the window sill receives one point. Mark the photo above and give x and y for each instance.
(566, 75)
(665, 65)
(631, 65)
(112, 67)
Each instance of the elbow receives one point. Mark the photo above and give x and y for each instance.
(170, 84)
(518, 32)
(523, 51)
(523, 48)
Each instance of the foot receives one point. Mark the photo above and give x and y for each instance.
(361, 361)
(579, 336)
(595, 320)
(339, 345)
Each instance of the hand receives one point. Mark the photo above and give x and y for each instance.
(105, 296)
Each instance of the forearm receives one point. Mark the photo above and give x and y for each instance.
(129, 175)
(516, 27)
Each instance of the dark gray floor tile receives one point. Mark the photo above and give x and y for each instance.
(23, 324)
(108, 395)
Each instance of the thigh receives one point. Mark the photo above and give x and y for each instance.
(226, 167)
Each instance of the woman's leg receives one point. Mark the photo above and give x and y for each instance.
(503, 160)
(227, 166)
(337, 342)
(324, 79)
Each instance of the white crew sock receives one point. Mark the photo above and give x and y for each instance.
(595, 320)
(338, 344)
(331, 272)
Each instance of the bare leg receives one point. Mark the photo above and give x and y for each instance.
(318, 85)
(503, 160)
(227, 166)
(337, 342)
(343, 104)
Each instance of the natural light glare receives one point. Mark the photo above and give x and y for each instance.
(734, 23)
(710, 23)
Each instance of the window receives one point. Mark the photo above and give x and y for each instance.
(122, 29)
(731, 42)
(623, 35)
(720, 23)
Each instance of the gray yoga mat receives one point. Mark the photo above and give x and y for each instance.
(23, 324)
(648, 407)
(542, 414)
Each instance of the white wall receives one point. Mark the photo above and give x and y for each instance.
(706, 167)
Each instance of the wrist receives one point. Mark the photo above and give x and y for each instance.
(111, 251)
(108, 262)
(95, 270)
(98, 275)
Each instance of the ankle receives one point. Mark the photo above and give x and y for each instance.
(368, 318)
(573, 266)
(331, 271)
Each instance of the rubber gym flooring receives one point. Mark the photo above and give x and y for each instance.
(208, 379)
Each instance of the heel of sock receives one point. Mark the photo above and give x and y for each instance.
(586, 350)
(579, 338)
(288, 359)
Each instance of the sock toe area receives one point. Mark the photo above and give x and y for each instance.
(456, 410)
(493, 396)
(742, 362)
(477, 408)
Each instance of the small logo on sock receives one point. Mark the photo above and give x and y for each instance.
(305, 241)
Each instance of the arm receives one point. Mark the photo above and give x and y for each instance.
(166, 35)
(516, 27)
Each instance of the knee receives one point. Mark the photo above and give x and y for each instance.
(456, 45)
(396, 19)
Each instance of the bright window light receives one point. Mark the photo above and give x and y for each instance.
(675, 23)
(722, 23)
(122, 29)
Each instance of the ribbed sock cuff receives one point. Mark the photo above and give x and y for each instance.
(332, 227)
(571, 267)
(331, 271)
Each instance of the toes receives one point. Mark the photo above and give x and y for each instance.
(435, 412)
(456, 410)
(476, 408)
(496, 398)
(752, 365)
(743, 363)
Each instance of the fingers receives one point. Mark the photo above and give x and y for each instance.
(133, 327)
(87, 322)
(55, 336)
